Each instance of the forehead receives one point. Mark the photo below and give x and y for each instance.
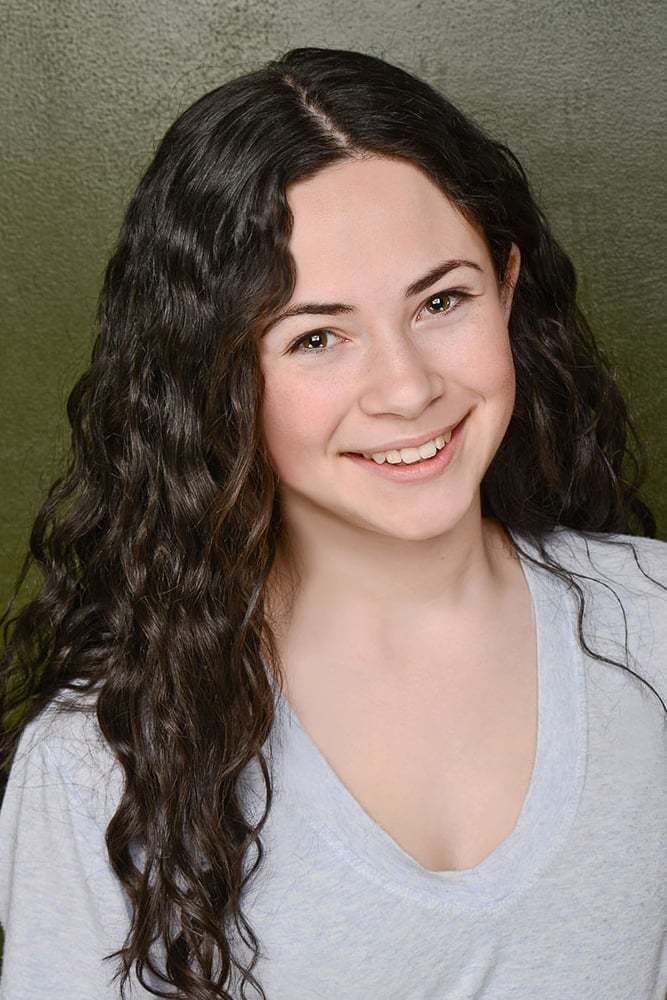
(376, 216)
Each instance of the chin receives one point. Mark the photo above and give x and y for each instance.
(422, 527)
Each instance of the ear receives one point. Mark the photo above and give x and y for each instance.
(511, 277)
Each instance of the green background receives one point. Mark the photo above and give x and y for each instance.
(575, 89)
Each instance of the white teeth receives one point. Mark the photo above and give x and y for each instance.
(407, 456)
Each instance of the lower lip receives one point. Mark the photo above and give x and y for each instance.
(417, 472)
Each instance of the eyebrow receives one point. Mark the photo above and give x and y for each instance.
(336, 308)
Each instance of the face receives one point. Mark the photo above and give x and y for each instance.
(395, 365)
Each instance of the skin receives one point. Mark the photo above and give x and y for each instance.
(373, 556)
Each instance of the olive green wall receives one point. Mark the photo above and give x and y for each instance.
(89, 87)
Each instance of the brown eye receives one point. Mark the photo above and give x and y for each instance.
(319, 336)
(445, 300)
(315, 341)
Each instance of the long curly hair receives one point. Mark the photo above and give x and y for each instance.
(157, 542)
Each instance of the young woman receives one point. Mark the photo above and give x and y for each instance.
(347, 676)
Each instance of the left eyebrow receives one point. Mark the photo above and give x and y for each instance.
(336, 308)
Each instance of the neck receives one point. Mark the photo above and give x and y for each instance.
(347, 584)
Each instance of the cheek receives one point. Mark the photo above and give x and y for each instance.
(298, 418)
(502, 379)
(490, 359)
(502, 387)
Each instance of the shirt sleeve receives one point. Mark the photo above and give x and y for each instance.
(62, 907)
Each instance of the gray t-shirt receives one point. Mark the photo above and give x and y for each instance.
(572, 904)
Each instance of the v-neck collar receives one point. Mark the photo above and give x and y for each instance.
(313, 788)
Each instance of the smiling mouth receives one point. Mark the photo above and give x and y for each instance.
(366, 455)
(422, 470)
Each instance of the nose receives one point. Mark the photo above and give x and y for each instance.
(400, 378)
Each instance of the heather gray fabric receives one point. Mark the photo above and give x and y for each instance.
(573, 904)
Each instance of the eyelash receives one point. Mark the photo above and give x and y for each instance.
(449, 293)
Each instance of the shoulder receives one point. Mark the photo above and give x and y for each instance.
(636, 567)
(64, 751)
(63, 908)
(622, 557)
(623, 583)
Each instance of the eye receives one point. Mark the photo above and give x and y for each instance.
(448, 300)
(316, 335)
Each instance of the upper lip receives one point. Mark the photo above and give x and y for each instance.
(413, 442)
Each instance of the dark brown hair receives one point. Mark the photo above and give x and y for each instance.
(156, 543)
